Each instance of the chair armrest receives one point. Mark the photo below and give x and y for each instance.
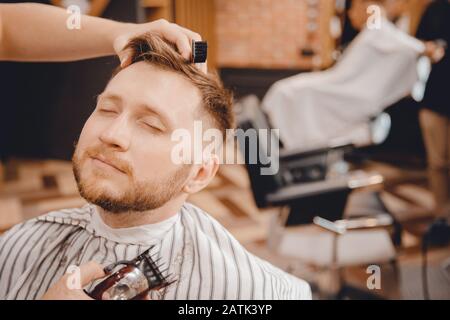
(293, 154)
(304, 190)
(344, 225)
(353, 180)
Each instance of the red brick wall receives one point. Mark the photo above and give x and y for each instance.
(267, 33)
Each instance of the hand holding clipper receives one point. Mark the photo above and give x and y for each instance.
(130, 279)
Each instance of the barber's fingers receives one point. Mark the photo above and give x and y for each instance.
(191, 34)
(174, 34)
(196, 37)
(89, 272)
(123, 54)
(184, 46)
(181, 37)
(159, 27)
(203, 66)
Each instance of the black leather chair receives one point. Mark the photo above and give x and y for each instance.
(311, 186)
(311, 182)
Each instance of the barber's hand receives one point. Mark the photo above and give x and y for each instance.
(434, 51)
(66, 289)
(171, 32)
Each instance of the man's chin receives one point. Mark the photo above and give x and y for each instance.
(100, 188)
(105, 201)
(114, 204)
(110, 205)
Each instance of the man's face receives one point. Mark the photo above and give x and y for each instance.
(122, 161)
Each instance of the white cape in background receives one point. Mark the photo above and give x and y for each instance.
(320, 108)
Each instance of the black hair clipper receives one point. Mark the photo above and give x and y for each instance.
(199, 51)
(130, 279)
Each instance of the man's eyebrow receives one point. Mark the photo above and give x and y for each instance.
(109, 96)
(163, 116)
(158, 111)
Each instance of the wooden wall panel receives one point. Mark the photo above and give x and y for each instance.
(327, 43)
(199, 16)
(158, 9)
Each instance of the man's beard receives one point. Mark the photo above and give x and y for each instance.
(139, 196)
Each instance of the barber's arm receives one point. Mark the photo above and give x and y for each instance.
(37, 32)
(427, 32)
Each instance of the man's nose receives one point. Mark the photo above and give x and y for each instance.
(117, 134)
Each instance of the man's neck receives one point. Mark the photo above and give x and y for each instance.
(134, 219)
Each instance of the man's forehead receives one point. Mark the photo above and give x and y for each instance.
(163, 90)
(144, 77)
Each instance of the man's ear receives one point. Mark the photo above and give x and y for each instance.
(203, 175)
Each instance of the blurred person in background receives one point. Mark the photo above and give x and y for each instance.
(434, 28)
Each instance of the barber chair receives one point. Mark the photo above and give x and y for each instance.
(313, 187)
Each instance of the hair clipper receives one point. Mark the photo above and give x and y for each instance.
(130, 279)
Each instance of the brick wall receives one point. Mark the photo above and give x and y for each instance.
(268, 33)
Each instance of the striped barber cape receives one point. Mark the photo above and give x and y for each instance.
(205, 259)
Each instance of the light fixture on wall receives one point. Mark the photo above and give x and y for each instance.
(312, 29)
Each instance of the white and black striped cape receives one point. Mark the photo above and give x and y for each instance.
(207, 261)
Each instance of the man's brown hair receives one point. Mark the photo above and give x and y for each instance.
(216, 100)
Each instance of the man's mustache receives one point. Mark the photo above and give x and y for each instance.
(109, 156)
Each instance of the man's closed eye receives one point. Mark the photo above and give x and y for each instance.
(153, 125)
(107, 111)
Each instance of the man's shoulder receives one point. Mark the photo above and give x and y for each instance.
(71, 217)
(192, 208)
(201, 222)
(80, 216)
(196, 215)
(235, 256)
(205, 229)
